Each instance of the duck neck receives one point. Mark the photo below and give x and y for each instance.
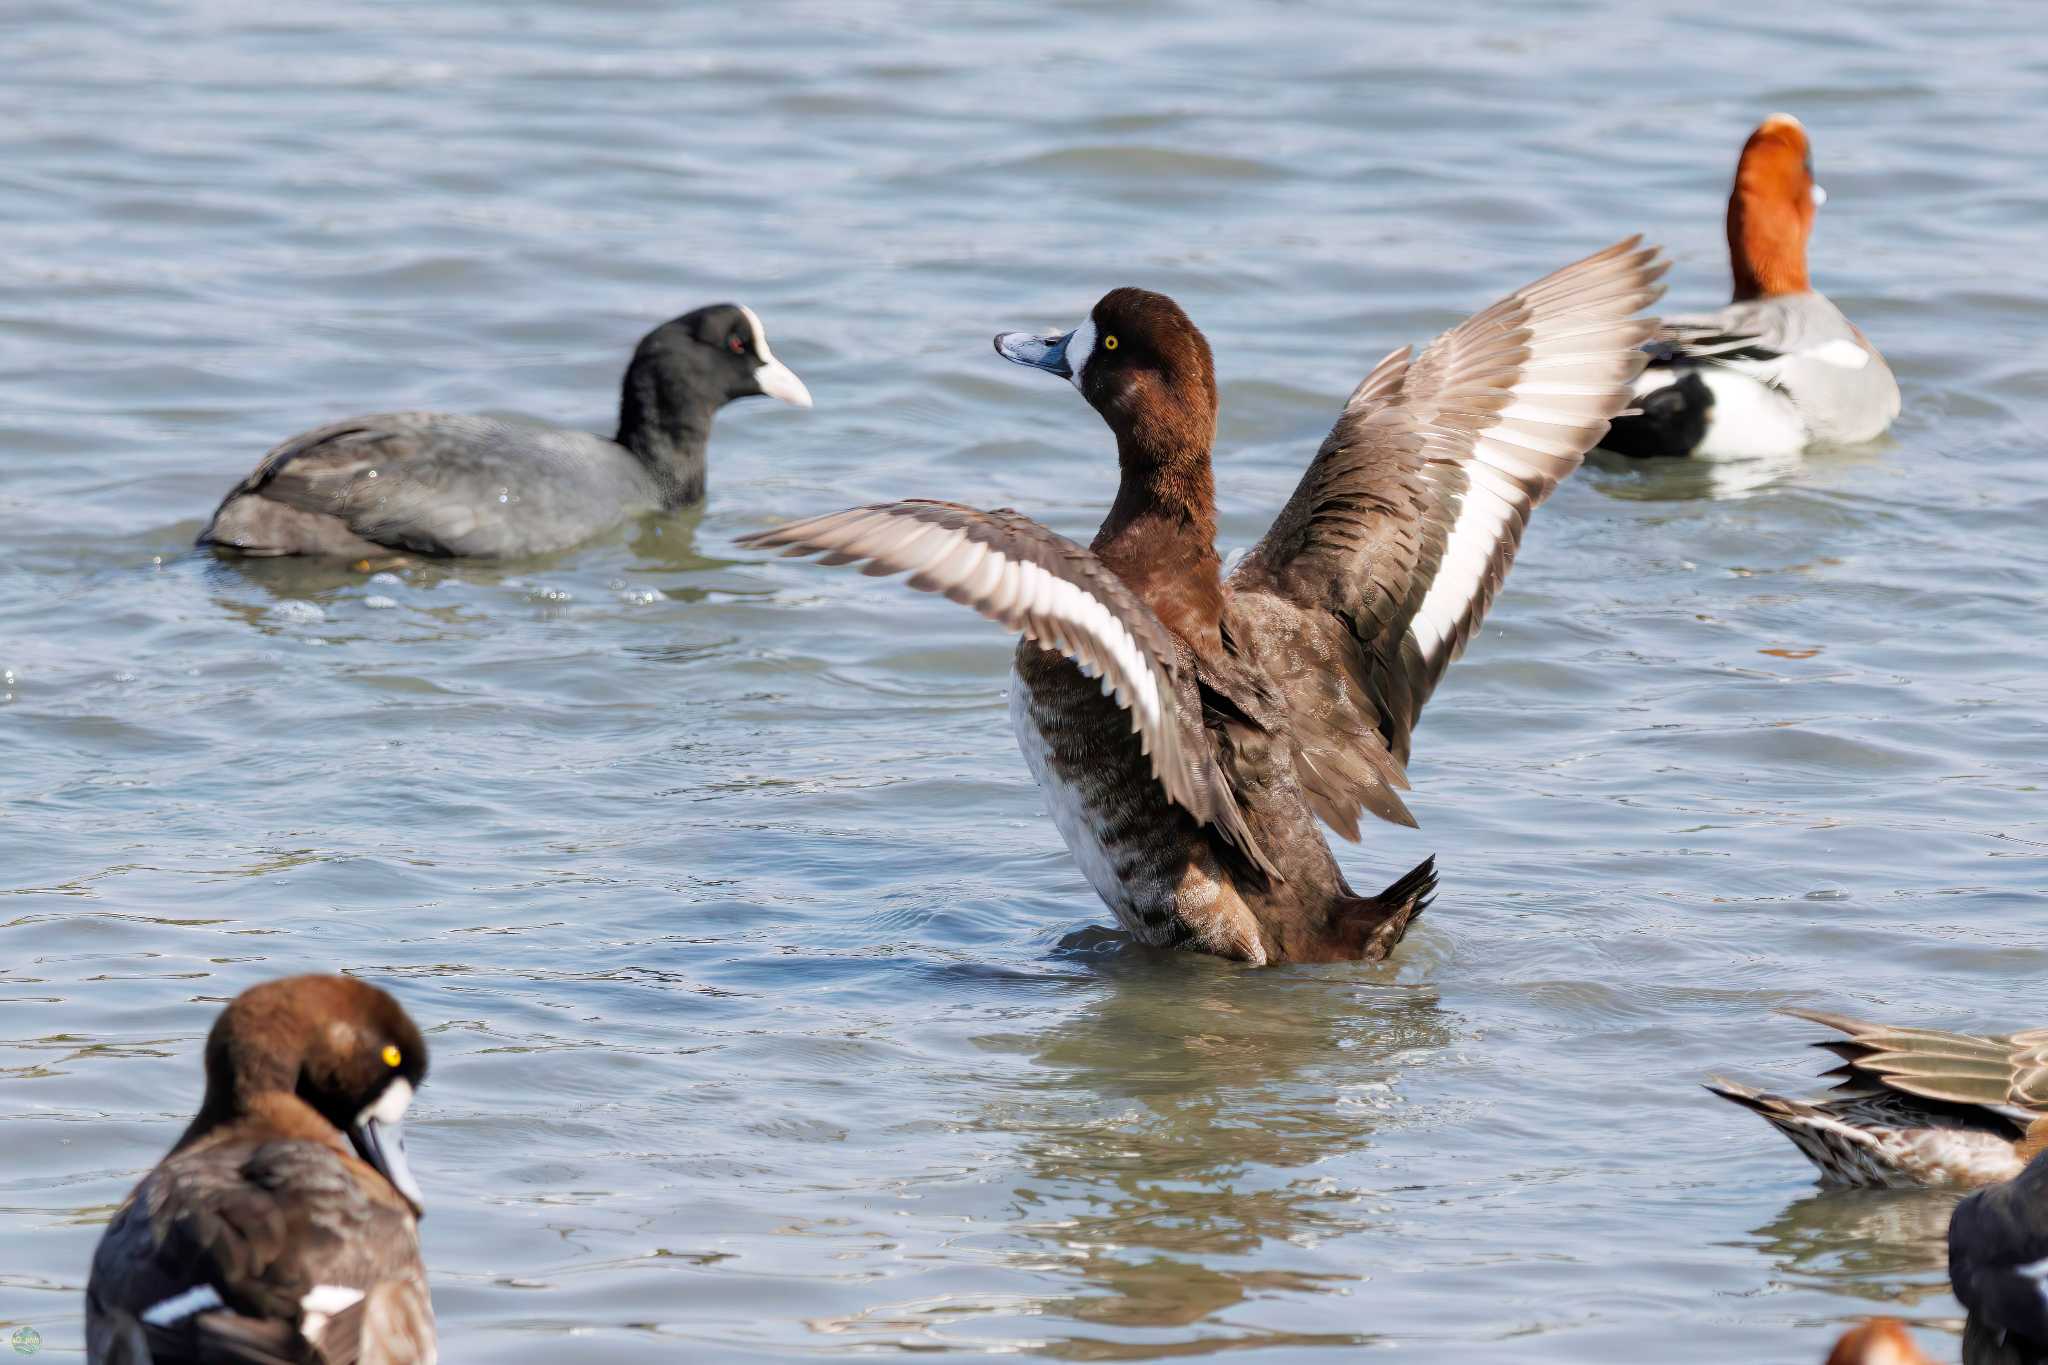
(1766, 245)
(667, 427)
(1160, 534)
(235, 1072)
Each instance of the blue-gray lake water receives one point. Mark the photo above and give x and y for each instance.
(731, 911)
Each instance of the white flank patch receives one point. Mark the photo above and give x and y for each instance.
(1840, 352)
(1484, 511)
(1070, 814)
(319, 1305)
(390, 1106)
(199, 1299)
(1080, 347)
(1749, 419)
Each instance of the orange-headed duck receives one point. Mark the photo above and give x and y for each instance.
(434, 483)
(1916, 1106)
(283, 1224)
(1188, 730)
(1778, 369)
(1880, 1341)
(1998, 1266)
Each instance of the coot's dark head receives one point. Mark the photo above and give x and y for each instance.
(718, 353)
(341, 1046)
(1138, 361)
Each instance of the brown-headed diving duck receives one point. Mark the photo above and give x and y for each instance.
(283, 1225)
(445, 484)
(1189, 730)
(1780, 368)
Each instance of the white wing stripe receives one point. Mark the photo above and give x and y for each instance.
(1483, 514)
(198, 1299)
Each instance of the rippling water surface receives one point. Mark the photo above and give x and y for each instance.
(728, 905)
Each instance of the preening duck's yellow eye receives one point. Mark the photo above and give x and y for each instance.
(391, 1054)
(1109, 343)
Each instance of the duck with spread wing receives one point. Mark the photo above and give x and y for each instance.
(1189, 730)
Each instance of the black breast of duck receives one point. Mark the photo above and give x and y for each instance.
(283, 1224)
(1189, 731)
(1998, 1261)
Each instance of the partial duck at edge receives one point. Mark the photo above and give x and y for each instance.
(1915, 1106)
(1780, 368)
(283, 1225)
(1998, 1267)
(1188, 731)
(447, 484)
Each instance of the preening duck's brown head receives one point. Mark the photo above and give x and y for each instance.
(338, 1046)
(1139, 362)
(1770, 210)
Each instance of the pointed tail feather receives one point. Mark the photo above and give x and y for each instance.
(1370, 926)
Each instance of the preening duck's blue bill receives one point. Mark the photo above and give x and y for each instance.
(379, 1138)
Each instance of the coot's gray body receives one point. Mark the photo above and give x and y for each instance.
(447, 484)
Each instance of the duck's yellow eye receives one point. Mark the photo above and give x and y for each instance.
(1109, 343)
(391, 1054)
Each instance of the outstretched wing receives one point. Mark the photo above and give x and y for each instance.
(1044, 586)
(1381, 566)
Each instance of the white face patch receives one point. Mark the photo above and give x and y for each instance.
(758, 337)
(390, 1106)
(776, 379)
(1820, 196)
(1080, 348)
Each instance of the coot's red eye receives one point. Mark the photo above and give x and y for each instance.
(736, 345)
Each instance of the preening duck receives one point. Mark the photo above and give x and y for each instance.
(1189, 730)
(445, 484)
(1780, 367)
(283, 1225)
(1915, 1106)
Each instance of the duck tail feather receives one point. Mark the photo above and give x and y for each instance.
(1371, 926)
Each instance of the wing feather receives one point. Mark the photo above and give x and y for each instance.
(1407, 521)
(1049, 590)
